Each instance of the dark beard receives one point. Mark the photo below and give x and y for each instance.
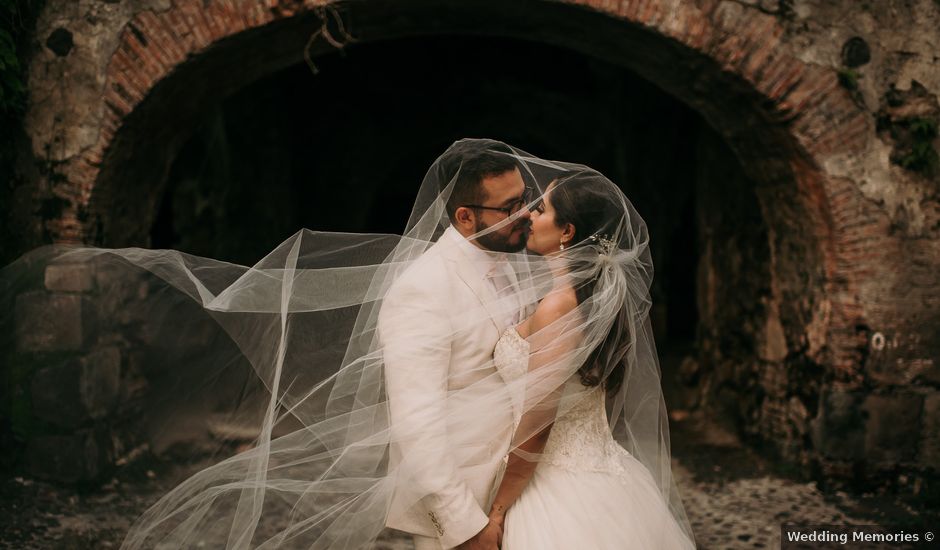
(496, 242)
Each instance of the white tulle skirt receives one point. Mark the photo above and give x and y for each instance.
(572, 510)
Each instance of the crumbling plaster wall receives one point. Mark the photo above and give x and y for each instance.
(821, 399)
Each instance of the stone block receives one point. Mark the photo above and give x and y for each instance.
(51, 322)
(774, 379)
(930, 436)
(798, 416)
(838, 431)
(79, 389)
(78, 457)
(893, 427)
(895, 368)
(772, 341)
(100, 381)
(55, 394)
(70, 277)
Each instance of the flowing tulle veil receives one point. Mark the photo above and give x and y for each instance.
(303, 322)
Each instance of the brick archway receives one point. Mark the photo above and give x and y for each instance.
(783, 118)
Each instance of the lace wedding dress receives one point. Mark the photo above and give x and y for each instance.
(587, 491)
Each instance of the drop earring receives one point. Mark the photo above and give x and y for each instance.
(561, 245)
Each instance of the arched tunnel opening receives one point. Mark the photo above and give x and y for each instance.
(203, 130)
(345, 149)
(343, 146)
(232, 163)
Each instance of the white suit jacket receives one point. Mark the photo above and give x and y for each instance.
(438, 336)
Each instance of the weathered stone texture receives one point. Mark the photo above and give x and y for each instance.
(52, 322)
(79, 389)
(100, 381)
(930, 440)
(69, 277)
(893, 427)
(816, 205)
(82, 456)
(838, 431)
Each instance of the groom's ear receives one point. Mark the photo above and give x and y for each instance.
(464, 218)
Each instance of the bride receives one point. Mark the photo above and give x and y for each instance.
(570, 484)
(575, 386)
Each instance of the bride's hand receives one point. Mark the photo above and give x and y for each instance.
(498, 515)
(490, 538)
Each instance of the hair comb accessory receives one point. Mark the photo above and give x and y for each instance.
(606, 244)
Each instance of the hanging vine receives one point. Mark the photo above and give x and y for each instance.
(339, 40)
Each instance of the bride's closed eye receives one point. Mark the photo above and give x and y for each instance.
(539, 206)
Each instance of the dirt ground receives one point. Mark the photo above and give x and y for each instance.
(734, 499)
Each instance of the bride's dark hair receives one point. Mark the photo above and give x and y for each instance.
(584, 201)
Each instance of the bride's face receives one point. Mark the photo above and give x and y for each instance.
(544, 235)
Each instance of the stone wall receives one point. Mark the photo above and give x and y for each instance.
(70, 367)
(817, 190)
(104, 363)
(845, 404)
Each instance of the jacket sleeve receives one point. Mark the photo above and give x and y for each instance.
(416, 337)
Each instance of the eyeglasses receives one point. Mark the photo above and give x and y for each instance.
(539, 206)
(514, 207)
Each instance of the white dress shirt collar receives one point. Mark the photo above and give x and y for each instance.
(483, 260)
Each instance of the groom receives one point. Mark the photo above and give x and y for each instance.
(434, 343)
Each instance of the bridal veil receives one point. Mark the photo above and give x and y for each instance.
(302, 324)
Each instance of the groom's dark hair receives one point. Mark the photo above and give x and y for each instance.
(467, 163)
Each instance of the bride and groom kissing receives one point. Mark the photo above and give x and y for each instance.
(486, 380)
(511, 347)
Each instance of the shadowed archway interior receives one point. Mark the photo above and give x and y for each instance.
(346, 148)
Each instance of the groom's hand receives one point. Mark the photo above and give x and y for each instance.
(488, 539)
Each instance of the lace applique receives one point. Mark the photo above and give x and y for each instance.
(580, 439)
(511, 356)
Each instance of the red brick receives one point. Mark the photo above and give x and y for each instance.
(249, 15)
(171, 42)
(150, 60)
(700, 33)
(781, 82)
(162, 42)
(196, 25)
(676, 25)
(235, 22)
(647, 11)
(627, 10)
(214, 24)
(180, 31)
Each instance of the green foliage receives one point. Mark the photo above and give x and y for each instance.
(923, 128)
(17, 24)
(12, 77)
(17, 27)
(12, 89)
(848, 78)
(922, 156)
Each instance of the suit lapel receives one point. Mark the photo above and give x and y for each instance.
(470, 275)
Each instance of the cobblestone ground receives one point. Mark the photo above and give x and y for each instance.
(734, 500)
